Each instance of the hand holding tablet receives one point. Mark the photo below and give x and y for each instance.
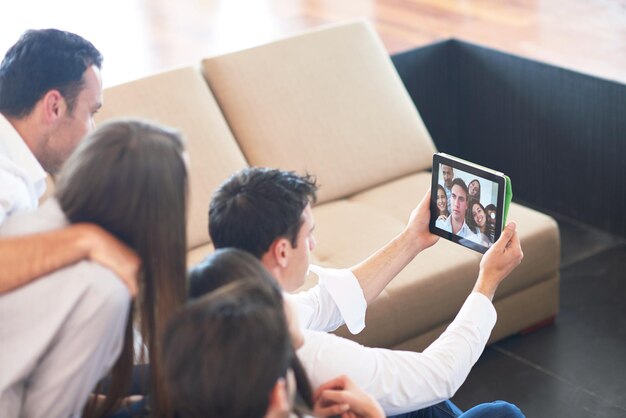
(469, 203)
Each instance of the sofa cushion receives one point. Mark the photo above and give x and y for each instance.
(181, 99)
(328, 102)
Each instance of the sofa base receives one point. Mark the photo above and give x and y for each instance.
(543, 297)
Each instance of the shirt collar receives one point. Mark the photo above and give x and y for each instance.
(13, 146)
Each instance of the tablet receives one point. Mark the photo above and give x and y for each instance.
(469, 203)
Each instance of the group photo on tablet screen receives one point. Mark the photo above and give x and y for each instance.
(466, 205)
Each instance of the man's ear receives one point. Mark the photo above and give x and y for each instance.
(279, 401)
(281, 250)
(54, 106)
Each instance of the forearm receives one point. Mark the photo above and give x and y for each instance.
(404, 381)
(486, 286)
(25, 258)
(375, 272)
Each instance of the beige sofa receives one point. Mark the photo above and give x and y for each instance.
(329, 102)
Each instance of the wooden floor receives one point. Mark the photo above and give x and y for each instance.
(140, 37)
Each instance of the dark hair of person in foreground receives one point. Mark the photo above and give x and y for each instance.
(224, 352)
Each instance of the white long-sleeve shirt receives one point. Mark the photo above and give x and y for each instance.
(404, 381)
(336, 299)
(22, 179)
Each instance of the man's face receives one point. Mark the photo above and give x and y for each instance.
(298, 265)
(458, 199)
(448, 175)
(73, 126)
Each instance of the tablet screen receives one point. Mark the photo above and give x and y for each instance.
(466, 202)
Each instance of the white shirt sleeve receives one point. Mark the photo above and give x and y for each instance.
(404, 381)
(337, 299)
(15, 195)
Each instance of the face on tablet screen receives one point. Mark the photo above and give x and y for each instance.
(466, 206)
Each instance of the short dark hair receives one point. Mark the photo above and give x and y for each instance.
(257, 205)
(40, 61)
(491, 206)
(223, 353)
(459, 182)
(229, 265)
(225, 266)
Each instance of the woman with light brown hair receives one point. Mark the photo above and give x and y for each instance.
(129, 178)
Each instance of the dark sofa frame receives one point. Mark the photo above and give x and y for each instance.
(560, 135)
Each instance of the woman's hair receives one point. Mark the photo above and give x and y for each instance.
(224, 351)
(445, 212)
(479, 188)
(225, 266)
(219, 271)
(129, 177)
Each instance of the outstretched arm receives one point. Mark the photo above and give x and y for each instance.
(25, 258)
(403, 381)
(375, 272)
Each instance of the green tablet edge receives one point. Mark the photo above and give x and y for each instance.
(508, 196)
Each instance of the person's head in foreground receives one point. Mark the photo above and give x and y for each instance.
(267, 212)
(239, 332)
(50, 89)
(129, 177)
(229, 353)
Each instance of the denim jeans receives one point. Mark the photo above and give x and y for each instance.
(497, 409)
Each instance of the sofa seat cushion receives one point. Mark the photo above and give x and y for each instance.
(181, 99)
(432, 288)
(328, 102)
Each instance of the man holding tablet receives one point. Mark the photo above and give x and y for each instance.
(247, 207)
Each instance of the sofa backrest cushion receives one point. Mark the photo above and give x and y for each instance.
(181, 99)
(328, 102)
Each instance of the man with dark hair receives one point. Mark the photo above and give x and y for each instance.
(455, 223)
(250, 211)
(260, 194)
(268, 213)
(50, 89)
